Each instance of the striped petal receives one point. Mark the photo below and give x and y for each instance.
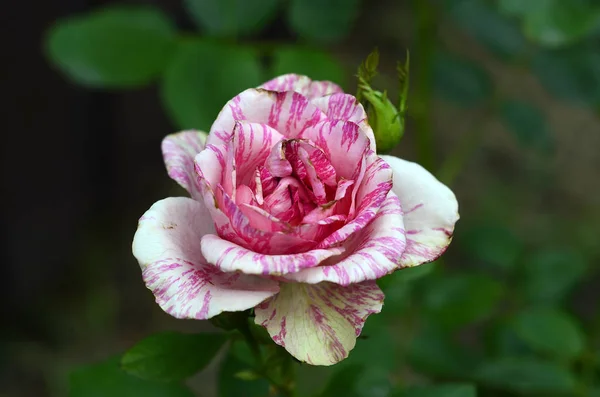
(369, 254)
(288, 112)
(179, 151)
(340, 106)
(251, 145)
(430, 211)
(302, 84)
(319, 324)
(344, 143)
(369, 196)
(167, 247)
(230, 257)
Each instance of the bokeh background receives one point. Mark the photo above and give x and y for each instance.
(504, 107)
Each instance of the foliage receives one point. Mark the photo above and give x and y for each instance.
(499, 322)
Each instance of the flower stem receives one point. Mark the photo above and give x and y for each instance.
(425, 44)
(456, 161)
(284, 385)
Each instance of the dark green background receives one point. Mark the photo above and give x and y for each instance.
(504, 107)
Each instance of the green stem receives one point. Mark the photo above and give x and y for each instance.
(456, 161)
(285, 388)
(425, 45)
(251, 341)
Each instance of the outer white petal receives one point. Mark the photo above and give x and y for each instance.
(179, 151)
(430, 211)
(167, 246)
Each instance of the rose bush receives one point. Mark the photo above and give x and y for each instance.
(291, 213)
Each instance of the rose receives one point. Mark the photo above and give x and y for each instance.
(291, 213)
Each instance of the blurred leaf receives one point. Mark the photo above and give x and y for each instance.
(229, 385)
(433, 352)
(113, 47)
(248, 375)
(572, 73)
(548, 275)
(493, 30)
(525, 375)
(203, 76)
(406, 275)
(107, 379)
(493, 244)
(323, 20)
(595, 392)
(230, 18)
(343, 382)
(445, 390)
(397, 299)
(527, 123)
(374, 382)
(505, 342)
(460, 299)
(461, 81)
(316, 64)
(549, 331)
(554, 22)
(170, 356)
(376, 346)
(519, 7)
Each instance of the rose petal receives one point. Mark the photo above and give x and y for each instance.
(230, 257)
(370, 194)
(301, 84)
(167, 246)
(255, 239)
(288, 112)
(319, 323)
(251, 145)
(343, 143)
(430, 211)
(369, 254)
(277, 164)
(179, 151)
(340, 106)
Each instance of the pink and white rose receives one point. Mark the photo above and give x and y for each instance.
(291, 213)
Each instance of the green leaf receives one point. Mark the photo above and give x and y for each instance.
(504, 342)
(556, 23)
(445, 390)
(433, 352)
(549, 331)
(322, 20)
(493, 244)
(203, 76)
(572, 74)
(519, 8)
(229, 385)
(461, 81)
(499, 34)
(316, 64)
(460, 299)
(595, 392)
(107, 379)
(527, 123)
(368, 67)
(170, 356)
(525, 375)
(231, 18)
(548, 275)
(406, 275)
(344, 382)
(113, 47)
